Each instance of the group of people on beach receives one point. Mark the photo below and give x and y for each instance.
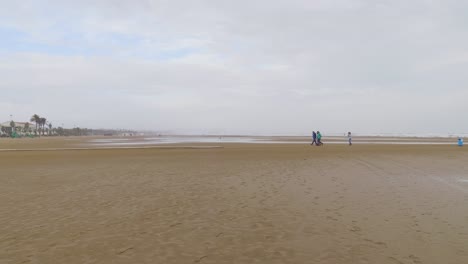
(316, 138)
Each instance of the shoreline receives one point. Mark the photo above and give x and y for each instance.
(145, 141)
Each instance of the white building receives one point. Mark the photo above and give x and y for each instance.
(19, 126)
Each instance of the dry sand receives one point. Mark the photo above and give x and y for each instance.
(239, 204)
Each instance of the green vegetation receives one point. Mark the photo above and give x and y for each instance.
(40, 126)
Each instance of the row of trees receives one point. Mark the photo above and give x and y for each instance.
(41, 122)
(42, 127)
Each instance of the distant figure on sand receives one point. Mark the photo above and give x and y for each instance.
(314, 138)
(319, 139)
(349, 139)
(460, 142)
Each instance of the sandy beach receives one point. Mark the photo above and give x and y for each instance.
(242, 203)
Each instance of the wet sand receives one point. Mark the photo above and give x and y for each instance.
(243, 203)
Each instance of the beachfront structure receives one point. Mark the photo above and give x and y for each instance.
(18, 124)
(20, 127)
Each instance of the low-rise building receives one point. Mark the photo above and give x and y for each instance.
(20, 127)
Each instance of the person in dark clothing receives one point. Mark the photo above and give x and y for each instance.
(314, 138)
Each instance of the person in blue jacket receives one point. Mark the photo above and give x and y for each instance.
(314, 138)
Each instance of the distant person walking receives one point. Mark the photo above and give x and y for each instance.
(314, 138)
(319, 139)
(460, 142)
(350, 139)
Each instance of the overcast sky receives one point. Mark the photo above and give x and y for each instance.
(237, 67)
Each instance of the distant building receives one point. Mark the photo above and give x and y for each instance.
(18, 124)
(20, 127)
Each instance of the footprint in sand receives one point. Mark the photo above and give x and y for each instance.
(415, 259)
(125, 250)
(200, 259)
(377, 243)
(395, 260)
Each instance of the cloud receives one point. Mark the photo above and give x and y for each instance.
(263, 67)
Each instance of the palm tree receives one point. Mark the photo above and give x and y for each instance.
(42, 122)
(36, 119)
(60, 131)
(12, 125)
(26, 128)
